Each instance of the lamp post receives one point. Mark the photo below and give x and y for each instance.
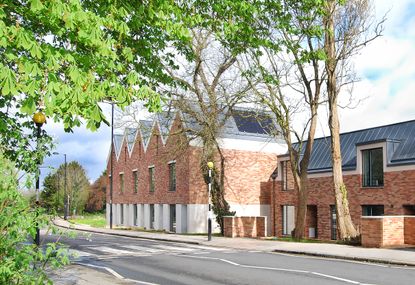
(209, 224)
(111, 159)
(65, 198)
(39, 118)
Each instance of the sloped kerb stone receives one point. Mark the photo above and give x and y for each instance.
(341, 257)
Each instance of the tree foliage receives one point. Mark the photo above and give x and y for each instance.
(77, 188)
(97, 194)
(22, 262)
(68, 56)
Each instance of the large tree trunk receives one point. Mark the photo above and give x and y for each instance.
(301, 209)
(345, 225)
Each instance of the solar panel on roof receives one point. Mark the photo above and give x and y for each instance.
(251, 122)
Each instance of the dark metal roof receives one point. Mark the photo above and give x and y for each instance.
(399, 138)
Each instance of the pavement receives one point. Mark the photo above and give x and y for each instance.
(80, 275)
(395, 256)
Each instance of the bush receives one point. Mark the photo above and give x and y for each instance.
(22, 262)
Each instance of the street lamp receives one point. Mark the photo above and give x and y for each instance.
(111, 159)
(210, 166)
(39, 118)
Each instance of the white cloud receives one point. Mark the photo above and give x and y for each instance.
(387, 71)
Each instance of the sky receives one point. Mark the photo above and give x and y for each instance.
(386, 92)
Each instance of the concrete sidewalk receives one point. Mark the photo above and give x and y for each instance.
(398, 256)
(82, 275)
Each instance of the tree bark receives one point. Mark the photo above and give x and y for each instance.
(345, 226)
(301, 209)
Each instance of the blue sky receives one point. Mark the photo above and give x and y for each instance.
(387, 87)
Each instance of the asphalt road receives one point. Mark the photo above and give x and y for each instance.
(155, 262)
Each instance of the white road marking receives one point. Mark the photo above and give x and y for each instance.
(112, 250)
(335, 278)
(174, 248)
(116, 274)
(142, 248)
(208, 247)
(278, 269)
(79, 253)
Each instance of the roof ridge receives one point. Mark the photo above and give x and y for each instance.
(366, 129)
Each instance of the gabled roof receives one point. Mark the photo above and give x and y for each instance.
(146, 128)
(399, 139)
(118, 139)
(130, 134)
(244, 124)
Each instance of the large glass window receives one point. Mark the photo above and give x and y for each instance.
(288, 219)
(122, 182)
(172, 176)
(333, 222)
(135, 181)
(135, 215)
(151, 178)
(372, 210)
(372, 167)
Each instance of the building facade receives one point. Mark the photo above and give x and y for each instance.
(157, 182)
(378, 172)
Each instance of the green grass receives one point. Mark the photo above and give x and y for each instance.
(93, 220)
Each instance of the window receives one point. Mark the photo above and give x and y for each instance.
(152, 219)
(151, 178)
(122, 214)
(288, 219)
(372, 167)
(173, 218)
(135, 181)
(372, 210)
(287, 179)
(135, 215)
(333, 222)
(172, 176)
(122, 182)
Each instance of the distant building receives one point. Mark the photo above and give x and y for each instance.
(379, 174)
(157, 182)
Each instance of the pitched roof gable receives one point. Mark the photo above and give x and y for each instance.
(398, 137)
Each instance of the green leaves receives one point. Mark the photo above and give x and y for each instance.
(21, 262)
(7, 81)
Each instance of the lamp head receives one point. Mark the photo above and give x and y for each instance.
(39, 118)
(210, 165)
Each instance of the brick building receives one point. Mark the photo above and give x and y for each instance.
(157, 182)
(379, 173)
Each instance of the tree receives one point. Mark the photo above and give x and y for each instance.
(349, 26)
(281, 59)
(97, 194)
(52, 194)
(22, 262)
(67, 56)
(207, 86)
(77, 188)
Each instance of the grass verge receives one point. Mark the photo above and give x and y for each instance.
(94, 220)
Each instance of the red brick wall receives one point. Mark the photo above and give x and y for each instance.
(409, 224)
(398, 189)
(244, 226)
(382, 231)
(158, 155)
(372, 232)
(244, 173)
